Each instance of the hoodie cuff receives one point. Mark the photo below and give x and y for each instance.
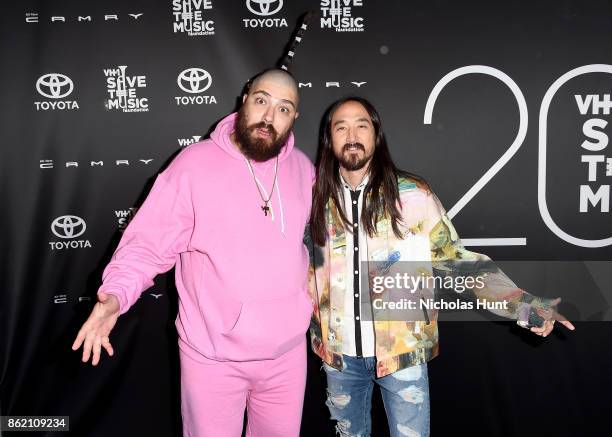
(123, 304)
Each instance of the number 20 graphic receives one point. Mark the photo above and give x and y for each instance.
(516, 144)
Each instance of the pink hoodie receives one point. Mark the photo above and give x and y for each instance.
(241, 276)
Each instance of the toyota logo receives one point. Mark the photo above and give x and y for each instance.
(263, 6)
(194, 80)
(51, 85)
(68, 226)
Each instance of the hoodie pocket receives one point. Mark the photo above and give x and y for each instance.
(265, 329)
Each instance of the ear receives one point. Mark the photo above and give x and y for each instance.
(297, 114)
(244, 97)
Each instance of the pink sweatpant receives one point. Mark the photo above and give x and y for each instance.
(214, 395)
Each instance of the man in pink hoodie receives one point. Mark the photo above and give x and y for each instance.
(229, 213)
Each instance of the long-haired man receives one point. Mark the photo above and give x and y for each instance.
(367, 216)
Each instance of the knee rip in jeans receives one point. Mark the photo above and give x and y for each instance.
(337, 400)
(407, 431)
(412, 394)
(342, 429)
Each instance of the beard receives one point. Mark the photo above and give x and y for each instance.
(351, 161)
(256, 148)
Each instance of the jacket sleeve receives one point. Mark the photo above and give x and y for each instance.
(160, 230)
(451, 258)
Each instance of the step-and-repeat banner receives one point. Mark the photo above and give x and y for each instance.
(504, 107)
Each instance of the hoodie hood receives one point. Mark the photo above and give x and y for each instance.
(221, 137)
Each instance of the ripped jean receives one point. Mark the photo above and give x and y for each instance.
(405, 395)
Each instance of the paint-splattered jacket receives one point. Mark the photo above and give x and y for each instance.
(428, 235)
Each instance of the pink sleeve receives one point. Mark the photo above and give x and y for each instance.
(313, 170)
(160, 230)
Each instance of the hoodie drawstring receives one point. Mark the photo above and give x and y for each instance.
(280, 203)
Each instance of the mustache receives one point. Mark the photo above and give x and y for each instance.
(358, 146)
(263, 125)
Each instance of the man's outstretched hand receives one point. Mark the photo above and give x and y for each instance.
(551, 316)
(94, 333)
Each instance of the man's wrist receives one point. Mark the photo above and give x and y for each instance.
(117, 295)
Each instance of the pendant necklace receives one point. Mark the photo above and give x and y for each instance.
(265, 208)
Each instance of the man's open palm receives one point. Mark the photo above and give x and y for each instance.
(94, 333)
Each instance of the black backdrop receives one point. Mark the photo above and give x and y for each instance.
(72, 156)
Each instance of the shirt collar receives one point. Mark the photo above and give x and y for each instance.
(361, 186)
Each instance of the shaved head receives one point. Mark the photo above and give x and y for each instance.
(276, 76)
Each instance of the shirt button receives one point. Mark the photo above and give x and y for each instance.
(356, 272)
(356, 249)
(354, 202)
(356, 294)
(357, 318)
(354, 225)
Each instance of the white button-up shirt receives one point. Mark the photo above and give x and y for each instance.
(352, 273)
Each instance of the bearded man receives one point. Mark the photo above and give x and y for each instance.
(230, 213)
(371, 220)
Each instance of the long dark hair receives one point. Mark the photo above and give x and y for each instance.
(381, 193)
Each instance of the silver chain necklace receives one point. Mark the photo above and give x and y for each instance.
(265, 208)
